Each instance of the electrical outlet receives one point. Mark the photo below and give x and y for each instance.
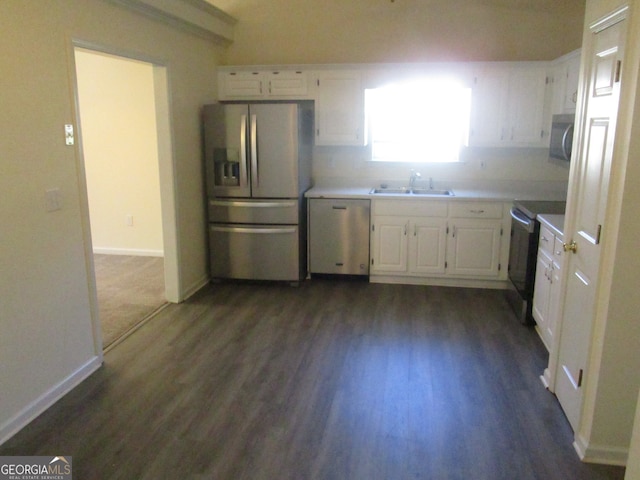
(129, 220)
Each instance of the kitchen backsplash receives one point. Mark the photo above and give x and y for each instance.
(350, 166)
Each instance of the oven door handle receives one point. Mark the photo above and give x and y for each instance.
(522, 219)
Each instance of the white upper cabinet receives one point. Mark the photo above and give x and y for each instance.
(563, 75)
(507, 106)
(339, 108)
(263, 85)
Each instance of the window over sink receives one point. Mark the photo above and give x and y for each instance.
(424, 120)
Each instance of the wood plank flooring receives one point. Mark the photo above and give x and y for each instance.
(331, 380)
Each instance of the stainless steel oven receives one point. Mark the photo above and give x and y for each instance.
(523, 251)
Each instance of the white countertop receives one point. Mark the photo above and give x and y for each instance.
(496, 191)
(554, 222)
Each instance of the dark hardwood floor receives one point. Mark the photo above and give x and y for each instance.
(331, 380)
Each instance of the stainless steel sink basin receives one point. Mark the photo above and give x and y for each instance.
(430, 192)
(390, 191)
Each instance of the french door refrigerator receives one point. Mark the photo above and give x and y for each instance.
(258, 166)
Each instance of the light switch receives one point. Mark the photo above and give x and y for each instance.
(68, 134)
(53, 199)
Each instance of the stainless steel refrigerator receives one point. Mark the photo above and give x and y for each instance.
(258, 166)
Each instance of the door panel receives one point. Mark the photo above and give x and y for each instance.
(274, 150)
(225, 134)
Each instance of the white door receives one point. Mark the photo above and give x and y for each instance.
(587, 209)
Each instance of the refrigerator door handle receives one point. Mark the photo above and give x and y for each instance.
(255, 173)
(253, 230)
(565, 147)
(243, 151)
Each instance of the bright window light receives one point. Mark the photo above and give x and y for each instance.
(420, 121)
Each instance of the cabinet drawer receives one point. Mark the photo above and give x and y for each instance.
(546, 242)
(558, 249)
(476, 210)
(410, 208)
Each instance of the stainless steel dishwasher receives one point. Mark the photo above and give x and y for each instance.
(339, 236)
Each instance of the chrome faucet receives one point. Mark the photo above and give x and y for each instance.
(412, 179)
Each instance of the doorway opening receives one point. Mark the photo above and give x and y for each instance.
(124, 119)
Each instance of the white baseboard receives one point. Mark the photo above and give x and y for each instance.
(440, 281)
(128, 251)
(46, 400)
(600, 453)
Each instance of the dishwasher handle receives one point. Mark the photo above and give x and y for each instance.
(527, 223)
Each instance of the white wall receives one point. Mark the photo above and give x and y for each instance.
(120, 145)
(47, 294)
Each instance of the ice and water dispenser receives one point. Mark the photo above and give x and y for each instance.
(226, 167)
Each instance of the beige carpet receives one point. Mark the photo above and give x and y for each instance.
(130, 288)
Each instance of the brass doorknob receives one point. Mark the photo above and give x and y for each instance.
(570, 247)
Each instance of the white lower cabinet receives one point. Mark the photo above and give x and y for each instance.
(438, 239)
(474, 248)
(546, 296)
(427, 241)
(474, 244)
(408, 237)
(389, 244)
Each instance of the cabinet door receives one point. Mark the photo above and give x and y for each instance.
(339, 108)
(389, 244)
(241, 85)
(541, 292)
(554, 303)
(474, 248)
(286, 84)
(526, 106)
(507, 106)
(488, 106)
(427, 245)
(571, 84)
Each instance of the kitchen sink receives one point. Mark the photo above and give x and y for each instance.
(394, 191)
(430, 192)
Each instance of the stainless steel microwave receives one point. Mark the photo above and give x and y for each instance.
(561, 138)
